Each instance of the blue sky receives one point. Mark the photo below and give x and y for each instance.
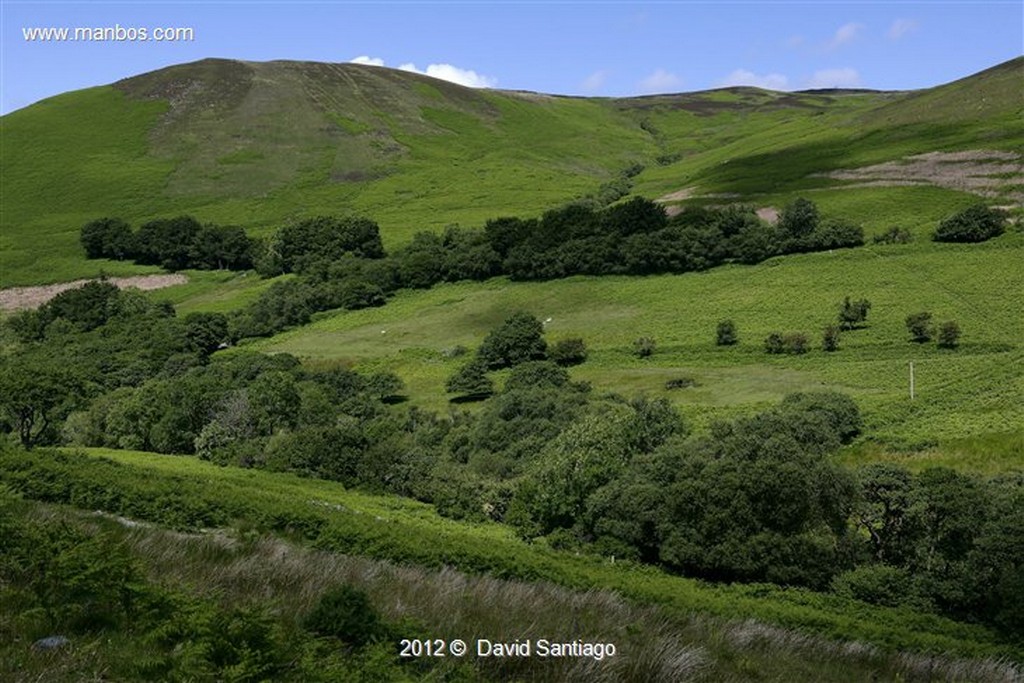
(578, 48)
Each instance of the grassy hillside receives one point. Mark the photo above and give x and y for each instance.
(256, 144)
(973, 390)
(186, 493)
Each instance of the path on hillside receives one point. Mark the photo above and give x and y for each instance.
(18, 298)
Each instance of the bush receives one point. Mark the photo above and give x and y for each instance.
(471, 380)
(345, 613)
(643, 347)
(568, 352)
(879, 584)
(976, 223)
(920, 327)
(949, 335)
(894, 235)
(774, 343)
(680, 383)
(830, 338)
(725, 334)
(796, 343)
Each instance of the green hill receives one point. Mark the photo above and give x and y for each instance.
(256, 144)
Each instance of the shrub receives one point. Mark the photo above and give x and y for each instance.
(725, 334)
(830, 338)
(471, 380)
(976, 223)
(345, 613)
(796, 343)
(894, 235)
(643, 347)
(920, 327)
(879, 584)
(774, 343)
(949, 335)
(680, 383)
(568, 352)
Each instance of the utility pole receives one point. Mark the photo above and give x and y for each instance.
(911, 380)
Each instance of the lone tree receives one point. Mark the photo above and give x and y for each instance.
(517, 340)
(949, 335)
(852, 314)
(830, 338)
(471, 380)
(920, 326)
(774, 343)
(725, 334)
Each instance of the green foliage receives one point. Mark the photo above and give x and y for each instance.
(879, 584)
(853, 314)
(643, 347)
(35, 395)
(568, 352)
(471, 380)
(518, 339)
(949, 335)
(725, 333)
(345, 613)
(830, 338)
(794, 343)
(325, 238)
(919, 325)
(894, 235)
(108, 238)
(976, 223)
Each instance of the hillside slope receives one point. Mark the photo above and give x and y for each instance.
(256, 144)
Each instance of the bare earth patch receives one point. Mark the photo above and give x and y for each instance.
(17, 298)
(769, 214)
(677, 196)
(988, 173)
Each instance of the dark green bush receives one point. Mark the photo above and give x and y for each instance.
(345, 613)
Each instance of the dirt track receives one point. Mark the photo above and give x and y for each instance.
(17, 298)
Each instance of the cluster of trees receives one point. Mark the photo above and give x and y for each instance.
(757, 499)
(172, 243)
(976, 223)
(922, 330)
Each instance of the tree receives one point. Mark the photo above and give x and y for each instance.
(976, 223)
(798, 219)
(949, 335)
(830, 338)
(920, 326)
(107, 238)
(471, 380)
(796, 343)
(35, 395)
(725, 334)
(644, 347)
(205, 332)
(853, 313)
(566, 352)
(167, 242)
(518, 339)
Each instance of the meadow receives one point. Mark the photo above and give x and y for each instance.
(960, 393)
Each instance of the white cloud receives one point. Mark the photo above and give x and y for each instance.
(744, 77)
(445, 72)
(835, 78)
(844, 34)
(900, 28)
(594, 81)
(660, 81)
(368, 61)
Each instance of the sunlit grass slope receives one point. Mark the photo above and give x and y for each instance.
(975, 389)
(257, 144)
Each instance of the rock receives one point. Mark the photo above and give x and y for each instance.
(51, 643)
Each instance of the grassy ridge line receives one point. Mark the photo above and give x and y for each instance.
(188, 493)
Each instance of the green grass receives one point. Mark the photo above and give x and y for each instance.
(974, 390)
(258, 144)
(187, 493)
